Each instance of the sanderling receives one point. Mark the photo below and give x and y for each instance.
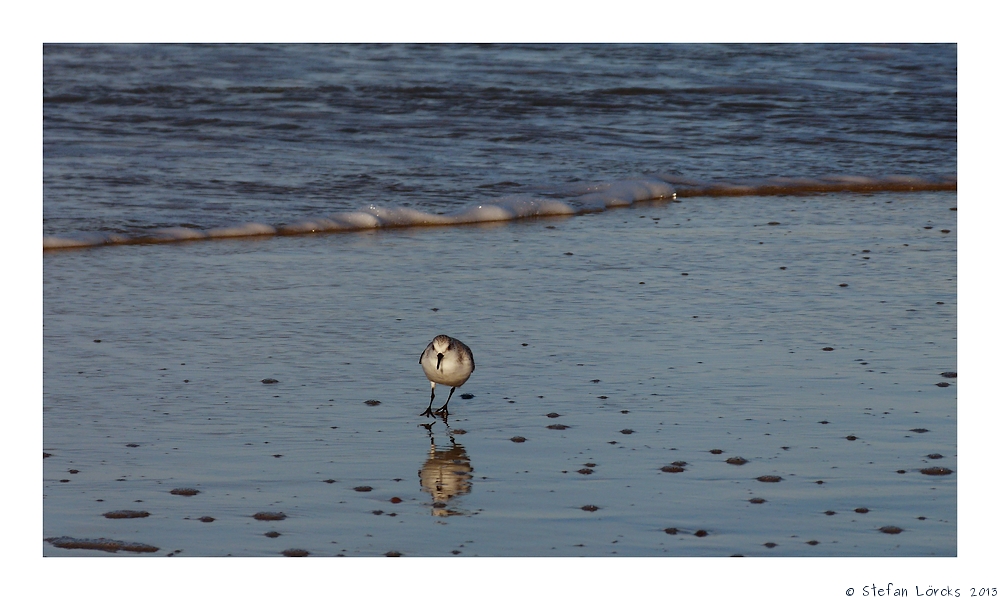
(449, 362)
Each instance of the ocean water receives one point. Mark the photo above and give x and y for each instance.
(665, 258)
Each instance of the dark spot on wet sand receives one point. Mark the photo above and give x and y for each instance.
(828, 349)
(890, 529)
(102, 544)
(830, 513)
(126, 514)
(861, 510)
(557, 426)
(372, 402)
(670, 531)
(589, 508)
(769, 478)
(700, 533)
(935, 456)
(672, 469)
(269, 380)
(585, 471)
(627, 431)
(812, 542)
(736, 460)
(455, 432)
(329, 481)
(269, 516)
(920, 430)
(467, 396)
(936, 471)
(715, 451)
(770, 544)
(942, 384)
(363, 488)
(206, 519)
(132, 445)
(518, 439)
(552, 415)
(295, 552)
(272, 534)
(395, 499)
(185, 491)
(393, 554)
(757, 501)
(949, 374)
(851, 437)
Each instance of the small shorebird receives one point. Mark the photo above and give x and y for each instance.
(449, 362)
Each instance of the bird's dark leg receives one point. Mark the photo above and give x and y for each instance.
(444, 409)
(427, 412)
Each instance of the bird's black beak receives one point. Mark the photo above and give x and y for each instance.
(440, 356)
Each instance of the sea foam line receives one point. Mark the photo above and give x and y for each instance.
(570, 200)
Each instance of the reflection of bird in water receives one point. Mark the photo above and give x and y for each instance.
(449, 362)
(447, 473)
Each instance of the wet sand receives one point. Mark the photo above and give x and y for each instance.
(730, 376)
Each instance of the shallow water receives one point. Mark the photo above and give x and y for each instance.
(681, 311)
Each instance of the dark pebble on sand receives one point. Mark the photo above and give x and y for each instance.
(774, 223)
(949, 374)
(185, 491)
(97, 341)
(828, 349)
(935, 456)
(670, 531)
(942, 384)
(901, 471)
(518, 439)
(585, 471)
(770, 545)
(715, 451)
(851, 437)
(590, 464)
(272, 534)
(295, 552)
(843, 285)
(627, 431)
(126, 514)
(769, 478)
(813, 542)
(936, 471)
(757, 501)
(700, 533)
(393, 554)
(132, 445)
(603, 397)
(861, 510)
(372, 402)
(377, 512)
(468, 396)
(589, 508)
(830, 513)
(672, 469)
(737, 460)
(102, 544)
(920, 430)
(74, 471)
(459, 432)
(206, 519)
(270, 516)
(329, 481)
(269, 380)
(395, 499)
(945, 231)
(552, 415)
(363, 488)
(557, 426)
(890, 529)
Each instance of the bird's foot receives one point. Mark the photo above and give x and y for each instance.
(442, 412)
(427, 413)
